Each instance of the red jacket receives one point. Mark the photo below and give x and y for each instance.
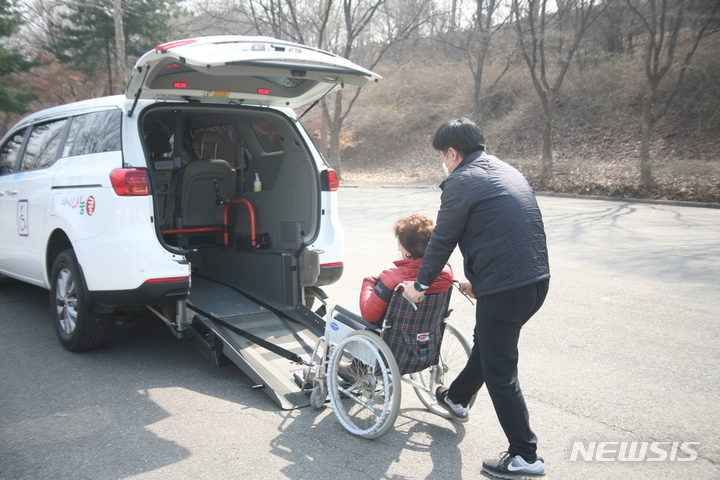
(376, 292)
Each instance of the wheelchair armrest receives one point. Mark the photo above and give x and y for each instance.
(356, 317)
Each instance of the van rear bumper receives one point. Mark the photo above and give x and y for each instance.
(146, 294)
(329, 273)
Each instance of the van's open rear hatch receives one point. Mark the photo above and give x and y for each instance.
(242, 70)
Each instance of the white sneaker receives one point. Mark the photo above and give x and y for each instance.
(457, 412)
(513, 468)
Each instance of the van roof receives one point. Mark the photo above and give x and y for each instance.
(83, 106)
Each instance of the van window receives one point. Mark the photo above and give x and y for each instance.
(11, 149)
(268, 136)
(94, 133)
(43, 147)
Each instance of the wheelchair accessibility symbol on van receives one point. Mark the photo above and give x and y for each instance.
(22, 218)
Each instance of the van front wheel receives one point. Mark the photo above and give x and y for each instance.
(77, 327)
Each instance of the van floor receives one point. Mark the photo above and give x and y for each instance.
(264, 367)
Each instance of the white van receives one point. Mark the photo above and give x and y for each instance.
(202, 170)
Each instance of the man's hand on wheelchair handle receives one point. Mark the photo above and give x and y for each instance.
(466, 289)
(412, 294)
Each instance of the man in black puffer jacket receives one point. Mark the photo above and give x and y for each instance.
(489, 210)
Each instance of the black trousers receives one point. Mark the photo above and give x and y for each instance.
(494, 358)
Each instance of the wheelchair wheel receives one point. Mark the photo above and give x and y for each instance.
(454, 353)
(364, 384)
(318, 395)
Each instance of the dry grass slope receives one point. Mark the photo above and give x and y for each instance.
(596, 138)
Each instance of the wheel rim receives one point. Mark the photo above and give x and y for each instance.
(454, 353)
(66, 301)
(368, 405)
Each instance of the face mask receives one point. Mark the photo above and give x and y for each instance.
(400, 255)
(445, 168)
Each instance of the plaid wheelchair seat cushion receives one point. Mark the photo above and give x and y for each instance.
(414, 337)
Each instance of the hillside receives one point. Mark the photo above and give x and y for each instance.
(596, 133)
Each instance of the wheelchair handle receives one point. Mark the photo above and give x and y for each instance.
(401, 287)
(457, 284)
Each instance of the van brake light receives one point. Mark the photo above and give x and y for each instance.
(130, 182)
(330, 180)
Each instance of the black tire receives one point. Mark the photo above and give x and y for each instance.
(77, 327)
(455, 350)
(318, 395)
(309, 301)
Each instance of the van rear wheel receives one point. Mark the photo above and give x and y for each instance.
(77, 327)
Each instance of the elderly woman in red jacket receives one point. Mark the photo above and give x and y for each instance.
(413, 234)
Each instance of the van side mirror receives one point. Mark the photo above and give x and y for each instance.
(5, 170)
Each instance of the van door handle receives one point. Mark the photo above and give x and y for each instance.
(12, 192)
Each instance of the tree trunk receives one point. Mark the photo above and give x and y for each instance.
(335, 125)
(477, 106)
(646, 136)
(547, 154)
(453, 15)
(334, 154)
(323, 143)
(109, 69)
(483, 24)
(121, 66)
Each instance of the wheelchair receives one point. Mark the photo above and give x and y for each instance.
(361, 366)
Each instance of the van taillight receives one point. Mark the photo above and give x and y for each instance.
(130, 181)
(330, 180)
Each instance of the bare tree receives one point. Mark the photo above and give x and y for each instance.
(487, 25)
(537, 26)
(338, 26)
(476, 44)
(663, 21)
(356, 18)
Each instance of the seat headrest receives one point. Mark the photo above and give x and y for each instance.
(211, 145)
(158, 143)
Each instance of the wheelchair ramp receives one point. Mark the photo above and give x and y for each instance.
(276, 323)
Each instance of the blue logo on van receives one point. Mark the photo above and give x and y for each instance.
(334, 326)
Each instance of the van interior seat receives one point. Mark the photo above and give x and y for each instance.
(211, 145)
(200, 214)
(198, 191)
(199, 207)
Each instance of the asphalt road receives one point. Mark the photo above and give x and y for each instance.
(626, 349)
